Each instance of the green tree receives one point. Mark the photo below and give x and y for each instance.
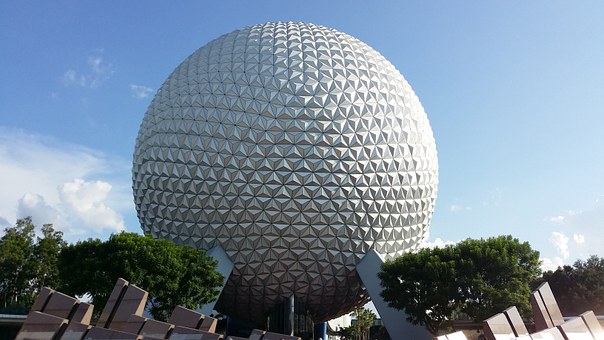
(477, 278)
(27, 263)
(173, 275)
(16, 264)
(579, 287)
(349, 332)
(495, 274)
(364, 321)
(46, 258)
(422, 284)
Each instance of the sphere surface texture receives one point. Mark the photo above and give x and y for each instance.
(297, 149)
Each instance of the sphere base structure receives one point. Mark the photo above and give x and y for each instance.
(289, 317)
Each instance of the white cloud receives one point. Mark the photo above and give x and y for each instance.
(438, 243)
(79, 190)
(70, 77)
(560, 241)
(86, 201)
(557, 219)
(140, 91)
(41, 212)
(458, 208)
(97, 72)
(586, 224)
(4, 223)
(551, 264)
(101, 71)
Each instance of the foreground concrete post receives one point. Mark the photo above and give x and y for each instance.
(394, 320)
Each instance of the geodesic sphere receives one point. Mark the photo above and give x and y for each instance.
(296, 148)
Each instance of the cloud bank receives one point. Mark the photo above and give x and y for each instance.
(81, 191)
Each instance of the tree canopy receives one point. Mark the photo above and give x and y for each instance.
(361, 329)
(579, 287)
(27, 263)
(173, 275)
(477, 278)
(365, 318)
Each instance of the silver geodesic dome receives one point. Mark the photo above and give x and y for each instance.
(296, 148)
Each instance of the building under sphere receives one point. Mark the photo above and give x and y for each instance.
(295, 150)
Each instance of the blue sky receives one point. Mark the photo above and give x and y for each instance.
(514, 91)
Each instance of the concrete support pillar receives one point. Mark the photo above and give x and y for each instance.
(292, 314)
(225, 267)
(394, 320)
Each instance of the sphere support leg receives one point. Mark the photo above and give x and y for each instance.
(394, 320)
(225, 267)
